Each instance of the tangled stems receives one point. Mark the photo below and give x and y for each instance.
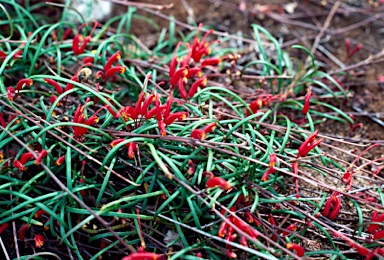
(99, 155)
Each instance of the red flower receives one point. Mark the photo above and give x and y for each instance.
(79, 118)
(114, 58)
(175, 116)
(179, 74)
(218, 182)
(309, 144)
(40, 156)
(198, 134)
(39, 213)
(131, 150)
(39, 241)
(335, 202)
(79, 43)
(211, 62)
(117, 69)
(60, 160)
(266, 174)
(11, 93)
(298, 249)
(22, 83)
(202, 82)
(56, 85)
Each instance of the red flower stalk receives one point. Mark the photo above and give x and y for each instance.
(306, 101)
(40, 156)
(11, 93)
(198, 134)
(39, 241)
(335, 202)
(56, 85)
(309, 144)
(22, 82)
(79, 43)
(142, 255)
(60, 160)
(22, 230)
(174, 61)
(348, 175)
(359, 248)
(202, 82)
(114, 58)
(295, 247)
(3, 227)
(114, 70)
(131, 150)
(295, 170)
(218, 182)
(175, 116)
(179, 74)
(211, 62)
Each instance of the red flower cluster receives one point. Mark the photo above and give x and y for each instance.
(14, 92)
(191, 65)
(227, 231)
(25, 157)
(335, 202)
(79, 43)
(79, 117)
(142, 111)
(110, 70)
